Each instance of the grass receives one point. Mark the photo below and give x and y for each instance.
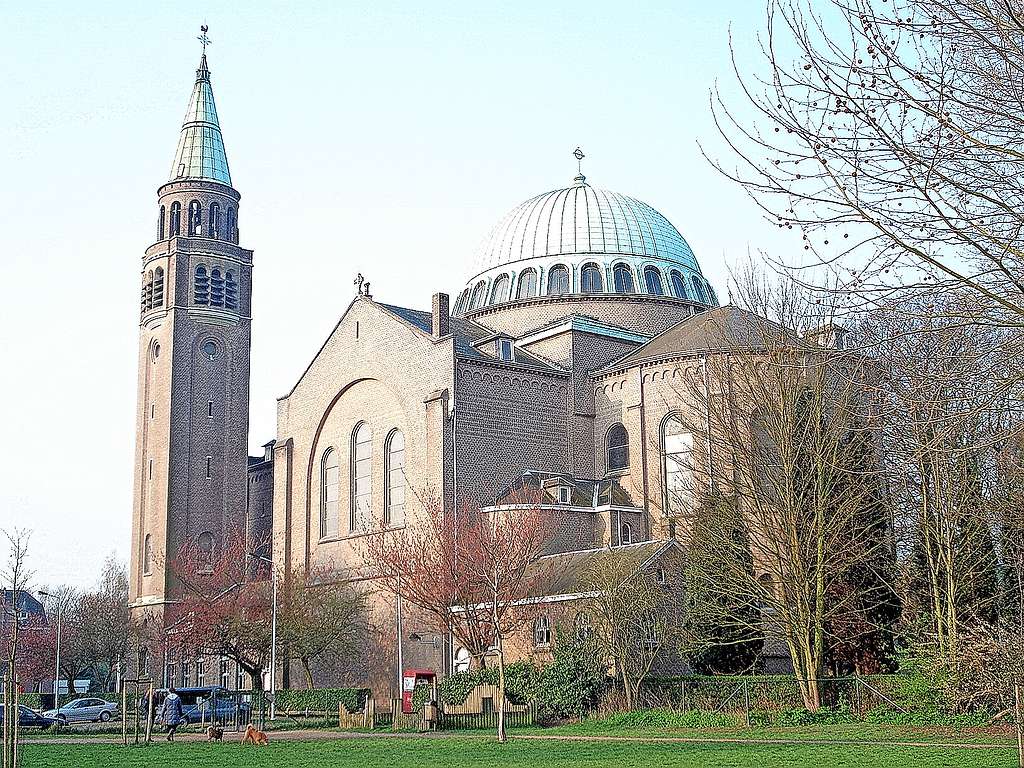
(462, 752)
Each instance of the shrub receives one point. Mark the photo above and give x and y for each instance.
(569, 687)
(322, 699)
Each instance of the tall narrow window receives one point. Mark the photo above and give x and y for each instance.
(200, 673)
(590, 279)
(205, 552)
(623, 275)
(232, 227)
(679, 285)
(499, 291)
(161, 223)
(558, 280)
(223, 674)
(542, 631)
(617, 447)
(230, 291)
(652, 279)
(625, 534)
(147, 554)
(201, 292)
(478, 296)
(158, 287)
(527, 284)
(216, 288)
(175, 219)
(394, 503)
(195, 218)
(209, 467)
(330, 489)
(676, 458)
(213, 225)
(186, 673)
(362, 497)
(698, 287)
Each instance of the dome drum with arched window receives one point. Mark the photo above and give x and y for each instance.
(582, 241)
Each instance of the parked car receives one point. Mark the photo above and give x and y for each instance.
(205, 704)
(29, 718)
(84, 711)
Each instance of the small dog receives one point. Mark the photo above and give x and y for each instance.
(214, 733)
(253, 736)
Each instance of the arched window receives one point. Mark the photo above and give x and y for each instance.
(330, 490)
(625, 534)
(161, 223)
(216, 288)
(698, 288)
(459, 302)
(590, 279)
(623, 275)
(652, 279)
(542, 631)
(147, 555)
(679, 285)
(202, 286)
(478, 296)
(195, 218)
(362, 496)
(205, 552)
(617, 447)
(213, 225)
(677, 466)
(175, 219)
(230, 291)
(158, 287)
(558, 280)
(527, 284)
(232, 226)
(499, 291)
(394, 473)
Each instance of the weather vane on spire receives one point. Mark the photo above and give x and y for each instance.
(578, 154)
(203, 37)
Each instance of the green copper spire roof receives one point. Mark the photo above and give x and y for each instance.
(200, 152)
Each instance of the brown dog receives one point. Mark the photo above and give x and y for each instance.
(253, 736)
(214, 733)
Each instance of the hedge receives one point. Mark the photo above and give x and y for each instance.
(322, 699)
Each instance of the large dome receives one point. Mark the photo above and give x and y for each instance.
(583, 240)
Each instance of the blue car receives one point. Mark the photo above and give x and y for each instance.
(29, 718)
(204, 705)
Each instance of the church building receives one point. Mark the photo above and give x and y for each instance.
(553, 367)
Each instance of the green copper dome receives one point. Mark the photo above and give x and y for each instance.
(201, 152)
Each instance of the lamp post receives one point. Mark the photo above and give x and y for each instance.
(273, 631)
(56, 664)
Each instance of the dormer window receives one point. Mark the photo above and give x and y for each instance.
(564, 495)
(506, 350)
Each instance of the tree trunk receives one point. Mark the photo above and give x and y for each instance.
(502, 736)
(308, 671)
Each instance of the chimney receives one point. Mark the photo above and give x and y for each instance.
(440, 320)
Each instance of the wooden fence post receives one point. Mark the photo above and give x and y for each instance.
(1020, 726)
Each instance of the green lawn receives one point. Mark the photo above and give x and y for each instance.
(384, 752)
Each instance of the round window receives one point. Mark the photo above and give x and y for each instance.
(156, 351)
(210, 348)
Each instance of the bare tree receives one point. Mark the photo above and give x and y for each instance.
(15, 576)
(635, 618)
(887, 134)
(319, 618)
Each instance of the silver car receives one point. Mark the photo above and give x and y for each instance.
(84, 711)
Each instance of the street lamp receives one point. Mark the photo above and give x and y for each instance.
(273, 631)
(56, 664)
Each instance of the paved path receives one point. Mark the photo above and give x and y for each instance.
(319, 735)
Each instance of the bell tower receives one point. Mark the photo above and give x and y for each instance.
(193, 376)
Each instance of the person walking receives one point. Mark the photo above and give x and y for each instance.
(171, 713)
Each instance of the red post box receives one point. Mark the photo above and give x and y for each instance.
(410, 679)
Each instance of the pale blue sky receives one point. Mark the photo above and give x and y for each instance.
(380, 137)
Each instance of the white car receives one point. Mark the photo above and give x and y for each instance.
(84, 711)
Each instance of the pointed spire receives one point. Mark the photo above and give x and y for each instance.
(201, 152)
